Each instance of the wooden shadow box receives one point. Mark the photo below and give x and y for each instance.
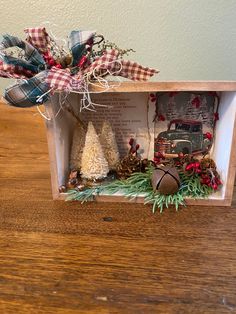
(128, 107)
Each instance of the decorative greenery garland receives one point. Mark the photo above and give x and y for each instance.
(140, 183)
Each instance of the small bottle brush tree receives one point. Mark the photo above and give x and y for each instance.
(93, 163)
(77, 146)
(109, 145)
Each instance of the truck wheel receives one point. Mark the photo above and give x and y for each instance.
(185, 151)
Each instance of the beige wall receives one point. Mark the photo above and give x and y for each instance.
(185, 39)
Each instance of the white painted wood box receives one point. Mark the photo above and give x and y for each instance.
(136, 95)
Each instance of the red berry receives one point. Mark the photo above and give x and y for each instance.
(196, 102)
(161, 117)
(51, 62)
(153, 99)
(208, 135)
(90, 42)
(216, 116)
(159, 155)
(157, 160)
(82, 61)
(131, 141)
(189, 166)
(218, 181)
(215, 186)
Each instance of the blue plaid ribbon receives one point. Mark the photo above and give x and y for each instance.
(26, 94)
(77, 44)
(33, 62)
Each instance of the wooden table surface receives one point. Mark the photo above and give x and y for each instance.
(58, 257)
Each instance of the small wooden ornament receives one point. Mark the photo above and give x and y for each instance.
(73, 179)
(166, 180)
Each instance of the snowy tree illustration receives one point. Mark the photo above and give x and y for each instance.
(171, 112)
(206, 112)
(192, 108)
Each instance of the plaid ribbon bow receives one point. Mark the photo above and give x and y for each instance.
(110, 62)
(39, 80)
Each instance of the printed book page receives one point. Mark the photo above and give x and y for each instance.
(131, 116)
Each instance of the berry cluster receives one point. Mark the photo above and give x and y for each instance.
(158, 158)
(153, 97)
(211, 180)
(206, 169)
(50, 61)
(194, 167)
(133, 147)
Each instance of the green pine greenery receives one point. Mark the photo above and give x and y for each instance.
(140, 183)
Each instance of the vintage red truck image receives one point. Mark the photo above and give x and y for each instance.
(183, 137)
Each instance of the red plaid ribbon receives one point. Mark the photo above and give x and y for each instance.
(38, 37)
(14, 71)
(118, 67)
(59, 79)
(104, 63)
(38, 42)
(136, 72)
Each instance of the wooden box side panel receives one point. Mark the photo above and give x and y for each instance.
(224, 148)
(140, 200)
(168, 86)
(59, 135)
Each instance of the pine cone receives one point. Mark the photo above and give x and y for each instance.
(128, 165)
(207, 163)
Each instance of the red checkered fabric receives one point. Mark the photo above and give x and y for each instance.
(108, 63)
(59, 79)
(104, 63)
(135, 72)
(38, 37)
(14, 71)
(119, 67)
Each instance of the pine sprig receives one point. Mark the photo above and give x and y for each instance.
(161, 201)
(191, 186)
(140, 183)
(82, 196)
(107, 45)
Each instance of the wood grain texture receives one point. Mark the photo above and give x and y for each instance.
(58, 257)
(170, 86)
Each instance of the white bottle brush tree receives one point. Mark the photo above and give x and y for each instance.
(77, 146)
(78, 138)
(93, 163)
(109, 145)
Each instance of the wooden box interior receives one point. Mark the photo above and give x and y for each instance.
(60, 130)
